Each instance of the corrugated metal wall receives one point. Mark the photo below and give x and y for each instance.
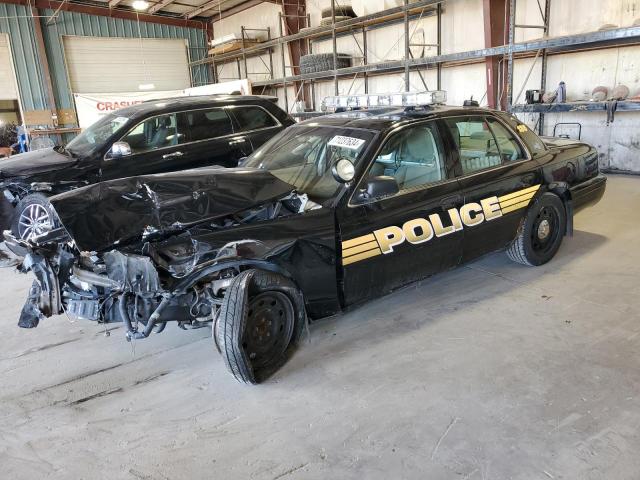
(71, 23)
(15, 20)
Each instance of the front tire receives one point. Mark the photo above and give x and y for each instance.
(260, 323)
(542, 232)
(33, 216)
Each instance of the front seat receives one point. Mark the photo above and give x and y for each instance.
(160, 137)
(420, 162)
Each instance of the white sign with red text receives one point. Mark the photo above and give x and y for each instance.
(91, 106)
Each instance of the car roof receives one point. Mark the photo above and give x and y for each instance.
(161, 105)
(391, 117)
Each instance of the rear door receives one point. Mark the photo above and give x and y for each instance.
(211, 139)
(498, 179)
(255, 122)
(390, 242)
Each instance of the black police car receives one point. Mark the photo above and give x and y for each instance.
(151, 137)
(329, 213)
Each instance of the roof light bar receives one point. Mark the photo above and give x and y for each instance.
(406, 99)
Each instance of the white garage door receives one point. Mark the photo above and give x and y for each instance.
(105, 65)
(7, 78)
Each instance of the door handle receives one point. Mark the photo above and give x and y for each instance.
(237, 141)
(172, 155)
(451, 202)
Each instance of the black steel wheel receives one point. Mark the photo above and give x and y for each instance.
(270, 321)
(542, 232)
(260, 323)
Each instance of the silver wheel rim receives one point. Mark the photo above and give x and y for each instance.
(544, 229)
(34, 220)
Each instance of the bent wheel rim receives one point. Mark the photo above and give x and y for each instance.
(34, 220)
(268, 329)
(545, 231)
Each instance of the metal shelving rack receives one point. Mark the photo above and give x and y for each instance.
(409, 11)
(600, 39)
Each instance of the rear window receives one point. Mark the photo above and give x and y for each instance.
(253, 118)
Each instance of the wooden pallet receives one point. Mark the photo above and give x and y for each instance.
(232, 46)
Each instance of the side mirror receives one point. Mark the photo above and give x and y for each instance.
(241, 161)
(119, 149)
(379, 187)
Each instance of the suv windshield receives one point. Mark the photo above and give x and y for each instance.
(303, 156)
(94, 137)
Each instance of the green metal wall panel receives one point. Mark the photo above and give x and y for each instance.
(80, 24)
(15, 20)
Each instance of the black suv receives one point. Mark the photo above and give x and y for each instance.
(152, 137)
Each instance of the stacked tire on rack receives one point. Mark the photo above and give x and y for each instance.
(321, 62)
(342, 13)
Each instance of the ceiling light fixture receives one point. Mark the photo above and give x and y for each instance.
(140, 5)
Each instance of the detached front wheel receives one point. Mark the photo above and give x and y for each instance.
(33, 216)
(260, 323)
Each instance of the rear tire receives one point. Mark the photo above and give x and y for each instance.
(260, 323)
(542, 232)
(33, 216)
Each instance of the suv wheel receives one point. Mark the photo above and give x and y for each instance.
(33, 216)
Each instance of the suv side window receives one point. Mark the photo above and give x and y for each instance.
(413, 156)
(483, 143)
(153, 133)
(253, 118)
(204, 124)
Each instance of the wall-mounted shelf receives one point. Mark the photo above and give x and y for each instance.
(340, 27)
(623, 106)
(593, 39)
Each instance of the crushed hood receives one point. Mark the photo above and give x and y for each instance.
(117, 212)
(33, 163)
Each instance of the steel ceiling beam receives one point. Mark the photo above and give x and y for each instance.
(203, 8)
(114, 3)
(111, 12)
(159, 6)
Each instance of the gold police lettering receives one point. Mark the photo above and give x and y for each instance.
(421, 230)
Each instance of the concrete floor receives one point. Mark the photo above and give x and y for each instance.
(491, 371)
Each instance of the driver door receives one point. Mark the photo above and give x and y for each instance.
(156, 147)
(389, 242)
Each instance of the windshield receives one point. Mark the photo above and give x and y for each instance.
(95, 136)
(303, 156)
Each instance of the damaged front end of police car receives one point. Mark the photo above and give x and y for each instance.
(190, 248)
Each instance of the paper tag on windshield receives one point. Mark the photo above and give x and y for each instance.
(351, 143)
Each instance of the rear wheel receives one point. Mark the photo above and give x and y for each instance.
(33, 216)
(542, 232)
(260, 322)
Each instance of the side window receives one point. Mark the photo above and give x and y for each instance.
(510, 149)
(476, 144)
(414, 157)
(204, 124)
(253, 118)
(153, 133)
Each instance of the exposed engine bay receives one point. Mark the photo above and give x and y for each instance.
(166, 275)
